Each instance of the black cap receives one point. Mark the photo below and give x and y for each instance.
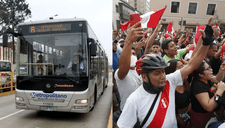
(115, 41)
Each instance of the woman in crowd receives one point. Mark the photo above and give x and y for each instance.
(182, 96)
(203, 101)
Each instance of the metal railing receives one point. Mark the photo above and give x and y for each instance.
(7, 83)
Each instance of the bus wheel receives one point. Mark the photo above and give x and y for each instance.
(95, 99)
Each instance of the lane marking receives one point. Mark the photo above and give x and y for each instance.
(11, 115)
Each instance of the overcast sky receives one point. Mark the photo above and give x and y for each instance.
(97, 12)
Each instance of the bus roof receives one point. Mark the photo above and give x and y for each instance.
(52, 21)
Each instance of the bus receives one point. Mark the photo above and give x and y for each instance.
(61, 66)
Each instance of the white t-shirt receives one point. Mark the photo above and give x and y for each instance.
(119, 49)
(140, 101)
(128, 85)
(222, 125)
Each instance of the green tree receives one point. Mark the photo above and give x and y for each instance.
(3, 16)
(13, 13)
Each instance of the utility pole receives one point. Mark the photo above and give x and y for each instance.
(13, 41)
(181, 22)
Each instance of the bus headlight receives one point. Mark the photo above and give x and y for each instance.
(83, 101)
(19, 98)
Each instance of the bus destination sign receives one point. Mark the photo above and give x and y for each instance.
(50, 28)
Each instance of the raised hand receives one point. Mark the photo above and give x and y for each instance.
(140, 43)
(207, 36)
(221, 86)
(134, 32)
(159, 26)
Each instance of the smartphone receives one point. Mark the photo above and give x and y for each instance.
(184, 34)
(134, 18)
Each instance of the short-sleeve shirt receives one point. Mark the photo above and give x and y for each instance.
(140, 101)
(128, 85)
(116, 57)
(179, 55)
(198, 87)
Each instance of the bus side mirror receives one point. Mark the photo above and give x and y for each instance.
(5, 40)
(93, 47)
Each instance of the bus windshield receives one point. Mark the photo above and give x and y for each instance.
(53, 54)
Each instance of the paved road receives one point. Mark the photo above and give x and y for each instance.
(10, 117)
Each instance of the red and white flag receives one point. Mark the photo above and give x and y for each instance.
(170, 29)
(198, 33)
(218, 28)
(151, 19)
(148, 20)
(124, 26)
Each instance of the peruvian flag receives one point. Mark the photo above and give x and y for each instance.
(198, 33)
(124, 25)
(170, 29)
(217, 26)
(148, 20)
(151, 19)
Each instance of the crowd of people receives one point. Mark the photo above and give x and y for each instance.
(161, 80)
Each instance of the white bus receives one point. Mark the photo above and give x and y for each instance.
(61, 66)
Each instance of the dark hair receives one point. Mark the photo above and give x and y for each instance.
(199, 70)
(219, 39)
(165, 43)
(211, 45)
(156, 42)
(172, 66)
(115, 41)
(40, 56)
(190, 38)
(139, 38)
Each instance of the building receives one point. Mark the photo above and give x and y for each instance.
(190, 12)
(121, 11)
(6, 53)
(141, 5)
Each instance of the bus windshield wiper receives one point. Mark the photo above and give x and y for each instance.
(64, 75)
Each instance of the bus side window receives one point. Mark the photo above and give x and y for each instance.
(92, 71)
